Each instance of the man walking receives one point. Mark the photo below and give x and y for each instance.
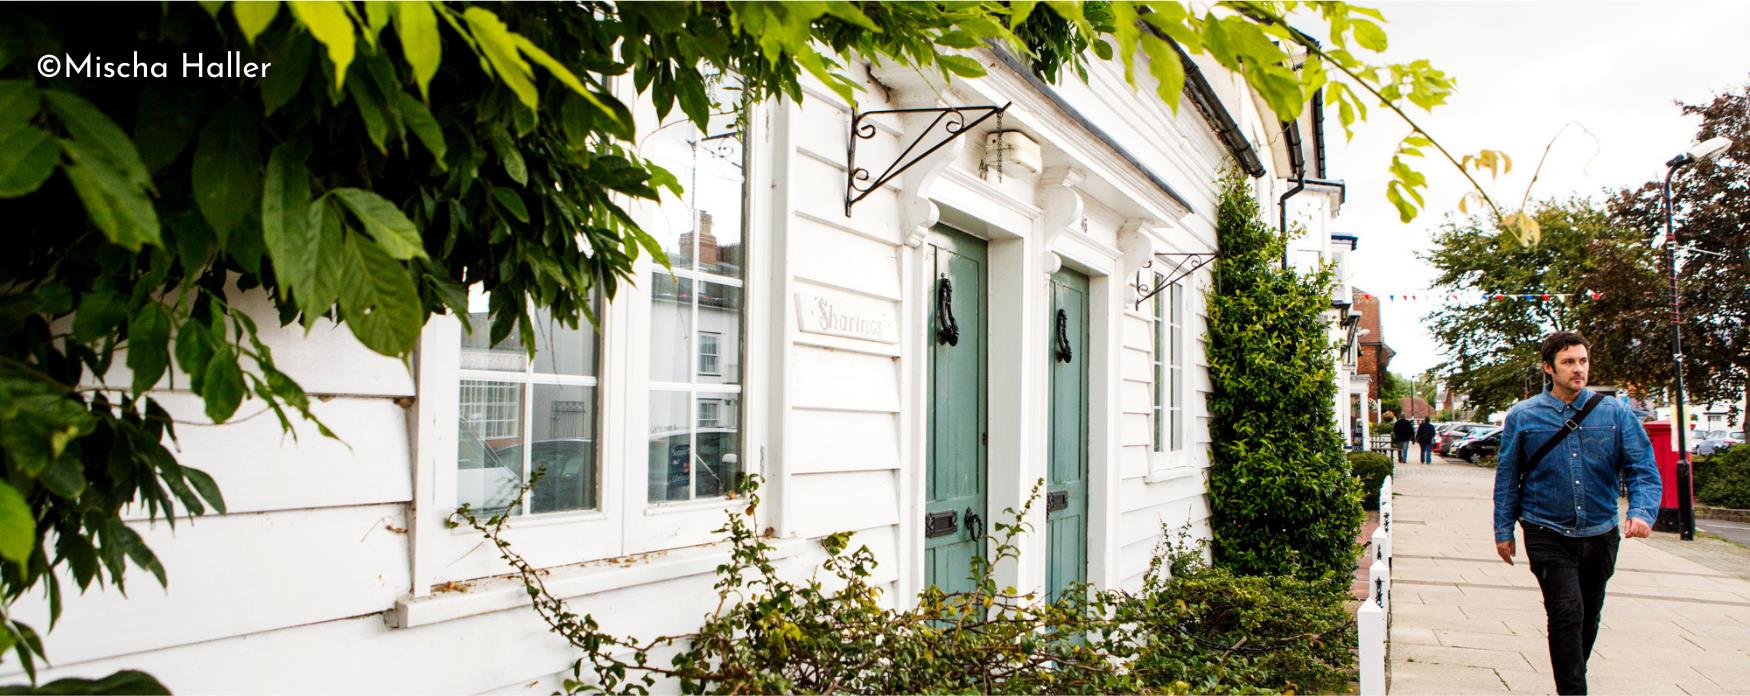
(1563, 453)
(1425, 441)
(1402, 432)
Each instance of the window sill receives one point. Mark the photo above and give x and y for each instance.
(503, 593)
(1172, 473)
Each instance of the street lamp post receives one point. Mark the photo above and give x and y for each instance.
(1685, 504)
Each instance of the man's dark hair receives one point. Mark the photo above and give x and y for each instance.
(1561, 340)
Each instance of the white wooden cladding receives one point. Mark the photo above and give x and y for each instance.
(294, 591)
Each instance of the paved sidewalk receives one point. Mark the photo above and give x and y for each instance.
(1466, 623)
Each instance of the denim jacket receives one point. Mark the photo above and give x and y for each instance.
(1573, 490)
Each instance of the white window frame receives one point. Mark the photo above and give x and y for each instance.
(624, 524)
(716, 348)
(1169, 359)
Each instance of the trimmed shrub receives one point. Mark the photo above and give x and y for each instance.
(1727, 479)
(1281, 498)
(1371, 468)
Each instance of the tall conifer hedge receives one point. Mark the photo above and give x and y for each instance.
(1281, 493)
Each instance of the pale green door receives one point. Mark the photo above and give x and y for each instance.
(1066, 500)
(954, 509)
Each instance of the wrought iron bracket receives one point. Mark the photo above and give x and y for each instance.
(1185, 265)
(952, 120)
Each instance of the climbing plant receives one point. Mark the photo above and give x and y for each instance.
(351, 180)
(1281, 496)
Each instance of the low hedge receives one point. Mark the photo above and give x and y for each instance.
(1371, 468)
(1724, 480)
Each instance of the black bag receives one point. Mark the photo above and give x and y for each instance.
(1573, 424)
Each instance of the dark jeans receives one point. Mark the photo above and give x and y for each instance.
(1403, 451)
(1572, 573)
(1427, 452)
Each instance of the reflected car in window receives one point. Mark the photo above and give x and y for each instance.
(675, 462)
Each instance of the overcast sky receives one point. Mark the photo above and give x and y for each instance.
(1525, 70)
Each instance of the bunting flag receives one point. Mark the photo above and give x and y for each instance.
(1435, 296)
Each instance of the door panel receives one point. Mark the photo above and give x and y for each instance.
(1067, 490)
(955, 516)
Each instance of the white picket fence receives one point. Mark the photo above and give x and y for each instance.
(1375, 614)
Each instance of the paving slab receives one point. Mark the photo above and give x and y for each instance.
(1676, 621)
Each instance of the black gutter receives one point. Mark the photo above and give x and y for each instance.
(1297, 162)
(1342, 188)
(1351, 239)
(1063, 105)
(1207, 103)
(1318, 124)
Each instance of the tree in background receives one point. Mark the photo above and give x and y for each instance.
(1712, 219)
(1282, 500)
(1491, 344)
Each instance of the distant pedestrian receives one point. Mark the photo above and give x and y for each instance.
(1555, 451)
(1402, 433)
(1425, 441)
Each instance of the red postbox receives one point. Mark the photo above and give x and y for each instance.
(1669, 519)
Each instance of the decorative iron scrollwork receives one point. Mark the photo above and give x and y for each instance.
(952, 120)
(1186, 264)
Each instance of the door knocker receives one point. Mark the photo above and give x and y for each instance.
(947, 330)
(1064, 354)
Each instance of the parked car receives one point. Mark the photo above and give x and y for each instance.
(1716, 441)
(1483, 443)
(715, 462)
(1451, 433)
(568, 478)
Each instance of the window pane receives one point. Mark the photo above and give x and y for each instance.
(489, 423)
(671, 446)
(720, 317)
(564, 351)
(718, 446)
(703, 229)
(671, 328)
(562, 425)
(708, 347)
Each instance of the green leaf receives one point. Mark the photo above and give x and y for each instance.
(1020, 10)
(285, 224)
(386, 223)
(223, 385)
(98, 135)
(377, 14)
(101, 310)
(208, 488)
(19, 102)
(1168, 71)
(961, 65)
(324, 220)
(291, 63)
(127, 681)
(379, 300)
(371, 111)
(1369, 35)
(500, 49)
(122, 211)
(27, 158)
(148, 345)
(194, 349)
(510, 157)
(136, 549)
(167, 121)
(64, 477)
(420, 44)
(227, 169)
(253, 17)
(424, 126)
(328, 22)
(511, 202)
(17, 525)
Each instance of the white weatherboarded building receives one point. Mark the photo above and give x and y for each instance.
(905, 368)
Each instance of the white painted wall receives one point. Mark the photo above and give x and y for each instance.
(333, 571)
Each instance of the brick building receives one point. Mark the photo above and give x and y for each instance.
(1375, 356)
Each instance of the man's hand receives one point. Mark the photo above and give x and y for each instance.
(1505, 548)
(1637, 528)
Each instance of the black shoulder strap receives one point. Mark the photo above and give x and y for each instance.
(1573, 424)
